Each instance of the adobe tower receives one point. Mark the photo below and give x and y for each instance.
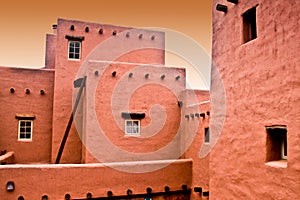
(256, 51)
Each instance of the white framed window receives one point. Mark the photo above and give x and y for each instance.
(74, 50)
(25, 130)
(132, 127)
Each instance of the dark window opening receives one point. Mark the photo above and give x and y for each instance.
(276, 143)
(249, 25)
(206, 135)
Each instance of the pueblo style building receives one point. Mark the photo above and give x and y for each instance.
(106, 119)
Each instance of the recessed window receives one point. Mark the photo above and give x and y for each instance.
(276, 143)
(206, 135)
(74, 50)
(25, 129)
(249, 25)
(132, 127)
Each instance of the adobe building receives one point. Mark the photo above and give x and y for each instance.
(256, 52)
(105, 118)
(137, 132)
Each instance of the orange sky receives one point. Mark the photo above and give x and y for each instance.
(25, 23)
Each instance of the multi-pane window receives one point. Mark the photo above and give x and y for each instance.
(132, 127)
(25, 129)
(74, 49)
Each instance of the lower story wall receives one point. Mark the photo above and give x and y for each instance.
(77, 180)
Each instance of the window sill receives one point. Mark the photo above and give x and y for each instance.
(130, 136)
(24, 140)
(277, 163)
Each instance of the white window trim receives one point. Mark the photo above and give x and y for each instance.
(80, 49)
(139, 127)
(19, 126)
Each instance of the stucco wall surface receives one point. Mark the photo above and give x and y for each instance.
(200, 164)
(38, 150)
(68, 70)
(34, 181)
(261, 79)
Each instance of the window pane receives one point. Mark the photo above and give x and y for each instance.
(77, 44)
(77, 50)
(22, 135)
(28, 136)
(128, 123)
(71, 44)
(135, 127)
(128, 129)
(28, 123)
(22, 130)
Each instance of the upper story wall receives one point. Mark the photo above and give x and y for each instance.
(152, 92)
(261, 79)
(98, 42)
(16, 105)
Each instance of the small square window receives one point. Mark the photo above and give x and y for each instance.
(249, 25)
(132, 127)
(276, 143)
(25, 129)
(74, 50)
(206, 135)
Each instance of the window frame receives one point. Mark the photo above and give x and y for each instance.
(74, 52)
(19, 129)
(284, 147)
(132, 133)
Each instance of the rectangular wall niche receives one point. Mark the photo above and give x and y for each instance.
(206, 135)
(276, 143)
(249, 25)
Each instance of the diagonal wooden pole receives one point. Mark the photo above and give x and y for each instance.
(64, 140)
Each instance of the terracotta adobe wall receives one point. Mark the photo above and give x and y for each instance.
(39, 149)
(55, 181)
(107, 97)
(195, 110)
(50, 52)
(66, 70)
(261, 79)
